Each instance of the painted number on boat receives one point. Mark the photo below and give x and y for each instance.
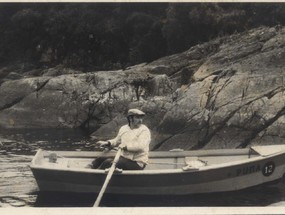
(268, 168)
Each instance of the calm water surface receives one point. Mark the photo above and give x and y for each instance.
(18, 187)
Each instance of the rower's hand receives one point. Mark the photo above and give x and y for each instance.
(103, 143)
(123, 147)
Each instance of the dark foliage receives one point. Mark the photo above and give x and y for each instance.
(107, 36)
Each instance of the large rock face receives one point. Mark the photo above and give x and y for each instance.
(226, 93)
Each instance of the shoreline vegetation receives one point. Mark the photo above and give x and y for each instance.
(113, 36)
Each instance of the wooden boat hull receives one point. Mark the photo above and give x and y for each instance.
(228, 176)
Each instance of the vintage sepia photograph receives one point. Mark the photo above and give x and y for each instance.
(142, 105)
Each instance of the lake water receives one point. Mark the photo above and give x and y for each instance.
(19, 189)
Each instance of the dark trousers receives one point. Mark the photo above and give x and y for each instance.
(123, 163)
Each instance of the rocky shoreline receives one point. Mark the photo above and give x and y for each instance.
(226, 93)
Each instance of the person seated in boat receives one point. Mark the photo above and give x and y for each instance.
(134, 139)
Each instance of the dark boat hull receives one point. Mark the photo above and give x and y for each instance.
(214, 178)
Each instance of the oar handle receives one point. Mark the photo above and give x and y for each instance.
(108, 178)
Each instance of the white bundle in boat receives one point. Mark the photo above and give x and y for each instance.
(193, 163)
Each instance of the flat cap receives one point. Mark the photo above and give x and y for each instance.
(135, 112)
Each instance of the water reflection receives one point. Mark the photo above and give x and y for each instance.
(52, 135)
(27, 141)
(257, 196)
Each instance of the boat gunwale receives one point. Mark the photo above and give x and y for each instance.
(155, 154)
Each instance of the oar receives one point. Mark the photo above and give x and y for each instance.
(108, 178)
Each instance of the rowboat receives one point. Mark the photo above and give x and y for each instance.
(175, 172)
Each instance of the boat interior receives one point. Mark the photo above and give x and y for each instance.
(158, 160)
